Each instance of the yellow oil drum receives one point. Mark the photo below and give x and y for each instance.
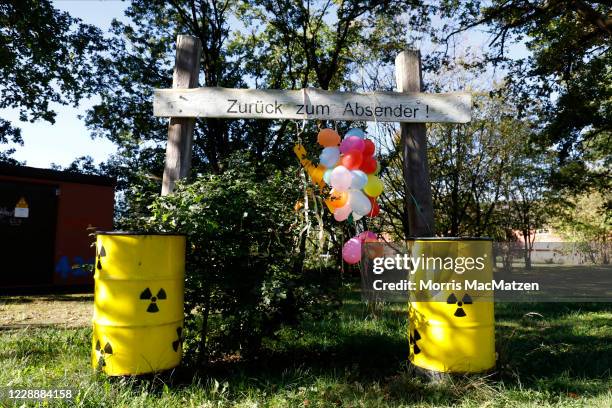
(455, 331)
(138, 304)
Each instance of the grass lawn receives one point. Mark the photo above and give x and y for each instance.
(557, 357)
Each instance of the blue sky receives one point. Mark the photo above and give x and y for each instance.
(68, 138)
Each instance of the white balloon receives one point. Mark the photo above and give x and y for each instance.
(329, 156)
(359, 202)
(359, 179)
(341, 178)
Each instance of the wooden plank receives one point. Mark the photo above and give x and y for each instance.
(180, 129)
(417, 197)
(313, 104)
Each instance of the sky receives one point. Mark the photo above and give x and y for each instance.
(68, 138)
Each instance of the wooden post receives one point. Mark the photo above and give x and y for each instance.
(180, 130)
(417, 197)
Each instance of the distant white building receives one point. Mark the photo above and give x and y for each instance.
(549, 247)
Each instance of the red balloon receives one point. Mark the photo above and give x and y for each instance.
(368, 165)
(369, 148)
(375, 208)
(352, 160)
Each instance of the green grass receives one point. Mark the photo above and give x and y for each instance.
(560, 357)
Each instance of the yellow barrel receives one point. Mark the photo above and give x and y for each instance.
(138, 305)
(455, 332)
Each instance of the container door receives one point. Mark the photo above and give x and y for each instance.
(28, 214)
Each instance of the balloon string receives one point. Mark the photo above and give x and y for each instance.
(420, 211)
(305, 109)
(298, 132)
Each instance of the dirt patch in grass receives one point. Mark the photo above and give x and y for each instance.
(48, 310)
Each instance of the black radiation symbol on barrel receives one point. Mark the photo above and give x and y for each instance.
(147, 295)
(466, 300)
(414, 337)
(103, 353)
(176, 344)
(101, 253)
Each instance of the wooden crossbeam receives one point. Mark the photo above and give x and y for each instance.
(311, 103)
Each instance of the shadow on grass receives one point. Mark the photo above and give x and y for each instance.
(564, 349)
(554, 344)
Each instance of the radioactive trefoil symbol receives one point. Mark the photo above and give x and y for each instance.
(414, 337)
(176, 344)
(466, 300)
(101, 253)
(103, 353)
(147, 295)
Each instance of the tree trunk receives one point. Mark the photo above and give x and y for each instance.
(526, 245)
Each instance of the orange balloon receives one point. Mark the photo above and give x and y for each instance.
(338, 199)
(329, 205)
(328, 138)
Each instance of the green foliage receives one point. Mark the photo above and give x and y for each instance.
(45, 57)
(264, 44)
(565, 81)
(486, 180)
(243, 275)
(587, 221)
(471, 165)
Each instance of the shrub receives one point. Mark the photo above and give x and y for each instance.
(244, 277)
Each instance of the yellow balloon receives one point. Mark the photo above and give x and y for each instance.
(374, 186)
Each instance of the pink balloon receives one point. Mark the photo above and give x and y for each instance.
(351, 251)
(352, 143)
(343, 212)
(367, 235)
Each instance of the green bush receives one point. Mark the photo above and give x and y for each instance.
(244, 275)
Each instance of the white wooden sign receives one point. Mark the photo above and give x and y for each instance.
(313, 104)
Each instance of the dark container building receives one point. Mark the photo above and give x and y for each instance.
(46, 218)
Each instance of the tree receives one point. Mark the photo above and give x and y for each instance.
(565, 81)
(280, 44)
(284, 44)
(526, 193)
(587, 222)
(46, 57)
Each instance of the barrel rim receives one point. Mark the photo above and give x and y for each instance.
(450, 239)
(139, 233)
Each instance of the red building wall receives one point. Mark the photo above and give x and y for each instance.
(80, 206)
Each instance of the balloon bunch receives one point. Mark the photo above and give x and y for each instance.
(351, 170)
(347, 165)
